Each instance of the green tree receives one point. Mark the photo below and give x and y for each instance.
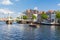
(34, 17)
(58, 14)
(44, 15)
(24, 17)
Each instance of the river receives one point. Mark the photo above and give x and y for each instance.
(25, 32)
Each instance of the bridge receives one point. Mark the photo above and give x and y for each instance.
(15, 20)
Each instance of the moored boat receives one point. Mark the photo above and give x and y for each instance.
(32, 25)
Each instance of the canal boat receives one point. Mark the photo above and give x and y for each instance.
(32, 25)
(56, 24)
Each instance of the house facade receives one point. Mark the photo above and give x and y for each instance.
(50, 13)
(31, 12)
(51, 16)
(39, 17)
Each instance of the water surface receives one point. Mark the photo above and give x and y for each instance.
(25, 32)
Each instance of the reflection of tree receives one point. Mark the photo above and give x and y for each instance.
(57, 32)
(58, 28)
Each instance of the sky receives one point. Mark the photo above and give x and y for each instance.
(15, 7)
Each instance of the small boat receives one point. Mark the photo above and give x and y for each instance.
(32, 25)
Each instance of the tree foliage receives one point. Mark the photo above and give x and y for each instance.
(58, 14)
(34, 17)
(44, 15)
(24, 17)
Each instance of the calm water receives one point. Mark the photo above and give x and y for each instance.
(24, 32)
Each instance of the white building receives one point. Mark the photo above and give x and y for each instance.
(35, 20)
(52, 16)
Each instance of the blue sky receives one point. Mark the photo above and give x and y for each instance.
(18, 6)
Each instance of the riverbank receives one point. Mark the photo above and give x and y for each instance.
(29, 22)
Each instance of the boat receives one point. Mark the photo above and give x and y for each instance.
(32, 25)
(56, 24)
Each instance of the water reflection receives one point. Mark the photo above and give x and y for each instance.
(25, 32)
(57, 33)
(53, 32)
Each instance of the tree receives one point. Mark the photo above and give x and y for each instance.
(58, 14)
(24, 17)
(44, 15)
(34, 17)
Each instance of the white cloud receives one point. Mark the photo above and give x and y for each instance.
(35, 8)
(6, 2)
(5, 11)
(58, 4)
(20, 13)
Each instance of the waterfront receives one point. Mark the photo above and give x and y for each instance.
(24, 32)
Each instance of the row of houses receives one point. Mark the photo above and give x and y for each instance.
(51, 16)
